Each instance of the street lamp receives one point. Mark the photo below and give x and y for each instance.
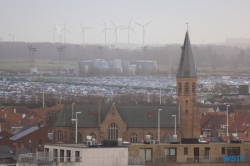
(76, 123)
(159, 110)
(227, 120)
(175, 136)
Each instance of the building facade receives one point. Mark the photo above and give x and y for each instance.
(133, 123)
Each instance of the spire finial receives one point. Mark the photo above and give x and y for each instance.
(187, 26)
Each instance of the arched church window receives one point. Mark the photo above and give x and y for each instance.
(133, 138)
(193, 88)
(186, 88)
(113, 131)
(79, 137)
(179, 88)
(60, 136)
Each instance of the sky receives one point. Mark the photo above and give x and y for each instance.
(209, 21)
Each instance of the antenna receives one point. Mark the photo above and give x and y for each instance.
(83, 31)
(64, 29)
(129, 28)
(187, 26)
(143, 28)
(105, 28)
(115, 32)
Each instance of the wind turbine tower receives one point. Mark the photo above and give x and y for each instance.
(53, 30)
(105, 28)
(11, 34)
(64, 29)
(83, 28)
(129, 28)
(115, 32)
(143, 27)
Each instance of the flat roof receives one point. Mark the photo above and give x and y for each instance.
(81, 146)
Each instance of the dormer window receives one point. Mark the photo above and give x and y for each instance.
(91, 113)
(149, 113)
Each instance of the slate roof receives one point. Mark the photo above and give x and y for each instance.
(132, 116)
(186, 65)
(5, 152)
(167, 138)
(25, 132)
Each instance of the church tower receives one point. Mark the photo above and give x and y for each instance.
(186, 84)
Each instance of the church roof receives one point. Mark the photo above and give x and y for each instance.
(186, 65)
(132, 116)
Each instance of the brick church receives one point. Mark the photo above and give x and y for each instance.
(132, 123)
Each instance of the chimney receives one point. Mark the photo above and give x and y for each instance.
(15, 149)
(21, 144)
(99, 113)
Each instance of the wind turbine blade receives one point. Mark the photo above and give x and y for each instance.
(81, 33)
(114, 32)
(148, 23)
(113, 24)
(130, 21)
(50, 30)
(102, 31)
(139, 24)
(132, 30)
(81, 23)
(110, 29)
(68, 31)
(124, 28)
(121, 26)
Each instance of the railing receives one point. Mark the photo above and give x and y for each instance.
(33, 158)
(189, 159)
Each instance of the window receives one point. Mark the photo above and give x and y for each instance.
(146, 154)
(234, 151)
(30, 142)
(133, 138)
(207, 152)
(60, 136)
(113, 131)
(68, 156)
(149, 114)
(185, 150)
(79, 137)
(170, 154)
(179, 88)
(193, 88)
(77, 156)
(40, 142)
(61, 155)
(223, 151)
(186, 88)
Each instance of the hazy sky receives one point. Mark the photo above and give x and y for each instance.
(210, 21)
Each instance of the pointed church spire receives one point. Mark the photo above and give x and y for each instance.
(186, 65)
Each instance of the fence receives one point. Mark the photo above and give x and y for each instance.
(188, 159)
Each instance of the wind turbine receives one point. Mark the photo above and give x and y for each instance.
(64, 29)
(129, 28)
(11, 34)
(53, 30)
(115, 32)
(143, 27)
(83, 31)
(105, 28)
